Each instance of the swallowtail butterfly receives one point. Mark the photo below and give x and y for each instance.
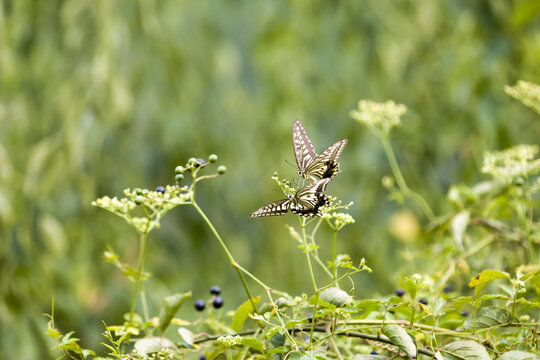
(306, 202)
(311, 165)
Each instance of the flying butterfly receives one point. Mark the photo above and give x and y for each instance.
(306, 202)
(311, 165)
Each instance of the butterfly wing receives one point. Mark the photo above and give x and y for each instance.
(309, 199)
(326, 164)
(275, 208)
(304, 152)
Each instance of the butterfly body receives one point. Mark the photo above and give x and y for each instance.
(305, 202)
(310, 165)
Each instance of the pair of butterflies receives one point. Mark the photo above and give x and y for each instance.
(319, 168)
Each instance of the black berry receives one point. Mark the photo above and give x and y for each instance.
(160, 189)
(218, 302)
(448, 288)
(400, 292)
(423, 301)
(373, 352)
(215, 290)
(200, 162)
(464, 314)
(202, 357)
(200, 305)
(310, 317)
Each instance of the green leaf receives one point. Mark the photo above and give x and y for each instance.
(492, 297)
(519, 355)
(152, 345)
(438, 356)
(299, 356)
(335, 296)
(533, 278)
(169, 308)
(411, 287)
(369, 357)
(399, 337)
(468, 349)
(461, 301)
(485, 278)
(528, 304)
(485, 318)
(253, 343)
(242, 313)
(186, 335)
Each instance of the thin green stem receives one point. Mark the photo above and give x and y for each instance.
(140, 268)
(227, 252)
(334, 256)
(306, 248)
(401, 180)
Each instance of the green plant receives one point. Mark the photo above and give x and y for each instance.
(426, 318)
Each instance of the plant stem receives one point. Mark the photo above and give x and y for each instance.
(306, 248)
(334, 257)
(401, 180)
(227, 252)
(140, 268)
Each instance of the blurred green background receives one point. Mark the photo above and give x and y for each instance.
(100, 95)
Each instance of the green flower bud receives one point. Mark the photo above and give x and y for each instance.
(179, 169)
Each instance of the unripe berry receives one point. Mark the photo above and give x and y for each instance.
(179, 177)
(138, 200)
(179, 169)
(221, 170)
(212, 158)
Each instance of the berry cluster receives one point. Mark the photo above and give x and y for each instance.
(216, 300)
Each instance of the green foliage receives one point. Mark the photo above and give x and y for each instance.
(95, 95)
(500, 319)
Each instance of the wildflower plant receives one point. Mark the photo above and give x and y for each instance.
(465, 308)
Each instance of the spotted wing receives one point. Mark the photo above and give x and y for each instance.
(275, 208)
(326, 164)
(304, 152)
(309, 199)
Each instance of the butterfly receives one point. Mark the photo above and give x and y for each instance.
(311, 165)
(306, 202)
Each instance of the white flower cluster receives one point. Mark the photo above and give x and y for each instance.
(229, 340)
(507, 165)
(526, 92)
(383, 116)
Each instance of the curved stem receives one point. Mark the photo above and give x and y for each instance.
(227, 252)
(308, 258)
(401, 180)
(334, 256)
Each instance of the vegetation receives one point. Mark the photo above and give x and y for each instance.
(98, 95)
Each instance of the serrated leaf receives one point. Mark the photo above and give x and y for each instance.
(335, 296)
(152, 345)
(242, 313)
(399, 337)
(519, 355)
(253, 343)
(468, 349)
(528, 304)
(486, 317)
(186, 335)
(411, 287)
(277, 340)
(458, 226)
(461, 301)
(299, 356)
(485, 278)
(169, 307)
(492, 297)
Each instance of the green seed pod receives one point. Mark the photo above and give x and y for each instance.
(191, 161)
(179, 169)
(138, 191)
(138, 200)
(212, 158)
(221, 170)
(179, 177)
